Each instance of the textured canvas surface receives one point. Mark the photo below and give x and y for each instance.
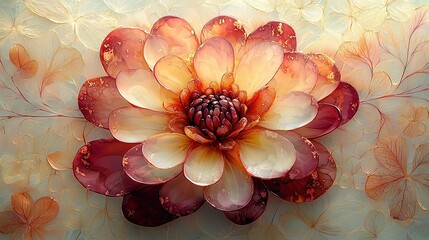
(49, 48)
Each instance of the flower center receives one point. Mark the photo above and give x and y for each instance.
(216, 115)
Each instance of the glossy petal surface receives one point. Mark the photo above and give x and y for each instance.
(172, 73)
(291, 111)
(170, 36)
(328, 118)
(204, 166)
(235, 189)
(266, 154)
(135, 125)
(98, 167)
(258, 66)
(346, 98)
(98, 97)
(307, 157)
(213, 59)
(225, 27)
(144, 208)
(180, 197)
(277, 32)
(122, 49)
(329, 76)
(166, 150)
(308, 188)
(297, 73)
(262, 101)
(254, 209)
(140, 170)
(140, 88)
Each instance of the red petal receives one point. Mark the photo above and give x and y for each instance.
(307, 157)
(328, 75)
(346, 98)
(144, 208)
(140, 170)
(225, 27)
(254, 209)
(261, 101)
(277, 32)
(98, 97)
(308, 188)
(98, 167)
(180, 197)
(122, 49)
(328, 119)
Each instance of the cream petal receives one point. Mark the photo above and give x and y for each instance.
(266, 154)
(140, 170)
(204, 165)
(134, 125)
(140, 88)
(329, 75)
(170, 36)
(214, 59)
(291, 111)
(258, 66)
(297, 73)
(235, 189)
(166, 150)
(172, 73)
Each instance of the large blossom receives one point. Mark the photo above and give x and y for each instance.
(216, 118)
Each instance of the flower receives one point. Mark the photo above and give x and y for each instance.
(219, 118)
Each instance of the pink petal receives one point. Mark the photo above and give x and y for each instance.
(140, 170)
(311, 187)
(266, 154)
(140, 88)
(170, 36)
(225, 27)
(166, 150)
(144, 208)
(122, 49)
(290, 111)
(98, 97)
(328, 119)
(329, 76)
(307, 157)
(297, 73)
(98, 167)
(213, 59)
(181, 197)
(204, 165)
(134, 125)
(235, 189)
(172, 73)
(346, 98)
(258, 66)
(254, 209)
(276, 32)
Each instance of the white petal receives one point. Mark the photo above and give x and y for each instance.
(266, 154)
(204, 166)
(234, 190)
(290, 111)
(166, 150)
(134, 125)
(312, 12)
(140, 88)
(140, 170)
(172, 73)
(214, 59)
(258, 66)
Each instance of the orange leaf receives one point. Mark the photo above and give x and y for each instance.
(9, 222)
(22, 204)
(44, 210)
(391, 154)
(20, 58)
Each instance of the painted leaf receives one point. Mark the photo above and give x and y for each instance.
(44, 210)
(27, 67)
(22, 204)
